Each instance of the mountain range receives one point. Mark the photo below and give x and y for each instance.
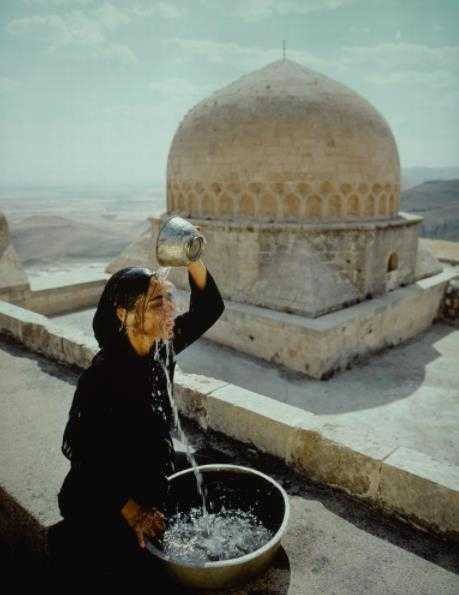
(438, 202)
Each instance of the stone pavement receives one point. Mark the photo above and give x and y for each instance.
(332, 544)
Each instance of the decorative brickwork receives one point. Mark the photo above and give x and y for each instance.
(276, 202)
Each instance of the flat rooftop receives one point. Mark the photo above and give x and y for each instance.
(332, 543)
(45, 276)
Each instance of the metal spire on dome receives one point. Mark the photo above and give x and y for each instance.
(283, 50)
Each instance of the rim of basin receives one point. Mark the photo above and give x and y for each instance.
(241, 559)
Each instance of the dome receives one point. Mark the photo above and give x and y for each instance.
(284, 143)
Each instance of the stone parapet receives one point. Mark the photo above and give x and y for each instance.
(51, 301)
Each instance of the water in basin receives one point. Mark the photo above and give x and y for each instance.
(222, 535)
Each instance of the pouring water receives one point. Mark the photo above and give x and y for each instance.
(183, 438)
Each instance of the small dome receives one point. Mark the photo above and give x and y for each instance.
(284, 143)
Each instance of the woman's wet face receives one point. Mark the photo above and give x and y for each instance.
(154, 312)
(160, 308)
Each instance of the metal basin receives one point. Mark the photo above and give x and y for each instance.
(230, 485)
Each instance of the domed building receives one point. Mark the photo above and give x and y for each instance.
(284, 144)
(294, 180)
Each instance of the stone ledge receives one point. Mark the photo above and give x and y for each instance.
(407, 483)
(401, 219)
(249, 417)
(349, 459)
(53, 300)
(412, 482)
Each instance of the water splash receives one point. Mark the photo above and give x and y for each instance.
(234, 533)
(163, 272)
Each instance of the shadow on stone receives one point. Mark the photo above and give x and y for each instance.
(375, 380)
(22, 539)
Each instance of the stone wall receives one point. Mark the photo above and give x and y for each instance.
(308, 269)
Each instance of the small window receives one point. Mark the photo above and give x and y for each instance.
(392, 263)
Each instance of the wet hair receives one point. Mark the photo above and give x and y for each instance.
(122, 289)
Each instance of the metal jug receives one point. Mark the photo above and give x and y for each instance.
(179, 243)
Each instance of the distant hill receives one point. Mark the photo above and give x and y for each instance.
(413, 176)
(438, 202)
(49, 238)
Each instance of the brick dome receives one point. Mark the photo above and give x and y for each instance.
(284, 143)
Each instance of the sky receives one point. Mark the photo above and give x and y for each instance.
(92, 92)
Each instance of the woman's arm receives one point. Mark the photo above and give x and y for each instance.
(198, 272)
(206, 307)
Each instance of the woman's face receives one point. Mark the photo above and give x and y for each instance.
(153, 313)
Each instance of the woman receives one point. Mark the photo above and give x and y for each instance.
(118, 434)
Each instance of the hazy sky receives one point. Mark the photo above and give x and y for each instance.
(92, 91)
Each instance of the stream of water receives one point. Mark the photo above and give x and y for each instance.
(199, 480)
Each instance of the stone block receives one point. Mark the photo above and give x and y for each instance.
(421, 489)
(190, 393)
(77, 348)
(37, 333)
(252, 418)
(339, 456)
(52, 345)
(11, 317)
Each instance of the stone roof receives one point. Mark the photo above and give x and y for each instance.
(284, 143)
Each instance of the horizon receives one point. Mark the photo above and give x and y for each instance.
(161, 186)
(83, 106)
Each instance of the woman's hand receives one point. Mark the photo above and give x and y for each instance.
(151, 523)
(145, 522)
